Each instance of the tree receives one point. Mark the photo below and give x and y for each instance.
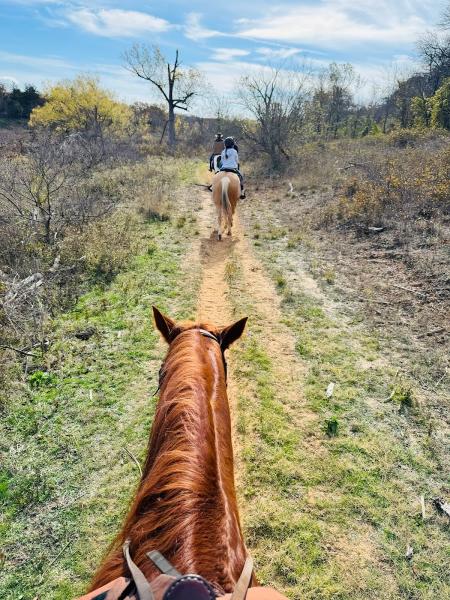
(445, 19)
(420, 110)
(435, 52)
(434, 48)
(51, 187)
(81, 105)
(177, 86)
(332, 100)
(276, 100)
(18, 104)
(440, 106)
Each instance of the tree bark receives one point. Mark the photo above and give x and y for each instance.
(171, 127)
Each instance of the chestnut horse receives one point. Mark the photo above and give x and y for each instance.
(226, 189)
(185, 505)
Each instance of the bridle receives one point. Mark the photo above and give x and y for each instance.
(204, 333)
(211, 336)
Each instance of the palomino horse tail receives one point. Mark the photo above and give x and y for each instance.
(227, 211)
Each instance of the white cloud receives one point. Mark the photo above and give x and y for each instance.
(277, 53)
(337, 23)
(50, 62)
(224, 77)
(45, 71)
(194, 30)
(226, 54)
(115, 22)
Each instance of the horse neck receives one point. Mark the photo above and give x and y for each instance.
(186, 504)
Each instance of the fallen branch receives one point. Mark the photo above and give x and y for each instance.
(405, 289)
(370, 228)
(18, 350)
(132, 456)
(422, 504)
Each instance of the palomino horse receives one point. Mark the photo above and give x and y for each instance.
(185, 506)
(226, 189)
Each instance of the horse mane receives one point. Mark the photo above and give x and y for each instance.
(185, 505)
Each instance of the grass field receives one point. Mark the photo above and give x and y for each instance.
(329, 477)
(68, 429)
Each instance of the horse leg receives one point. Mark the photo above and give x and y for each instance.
(219, 230)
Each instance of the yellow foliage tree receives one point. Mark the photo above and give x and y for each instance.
(81, 105)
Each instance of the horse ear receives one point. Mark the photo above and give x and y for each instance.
(232, 333)
(164, 324)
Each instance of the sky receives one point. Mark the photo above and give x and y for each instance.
(44, 41)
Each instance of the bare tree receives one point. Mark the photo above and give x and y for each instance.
(435, 51)
(276, 100)
(178, 86)
(49, 188)
(445, 19)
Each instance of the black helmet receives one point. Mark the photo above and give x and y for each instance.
(229, 142)
(219, 136)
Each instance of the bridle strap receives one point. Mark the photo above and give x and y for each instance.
(243, 583)
(163, 564)
(142, 585)
(209, 335)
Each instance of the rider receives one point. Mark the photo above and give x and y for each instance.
(218, 146)
(230, 161)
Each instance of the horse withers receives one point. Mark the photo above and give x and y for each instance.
(226, 189)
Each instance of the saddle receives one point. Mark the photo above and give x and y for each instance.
(171, 585)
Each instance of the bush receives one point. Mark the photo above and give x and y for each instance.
(413, 183)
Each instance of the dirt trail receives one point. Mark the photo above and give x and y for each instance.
(214, 305)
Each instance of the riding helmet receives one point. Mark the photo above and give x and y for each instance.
(229, 142)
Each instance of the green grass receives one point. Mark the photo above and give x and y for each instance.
(66, 478)
(329, 486)
(333, 500)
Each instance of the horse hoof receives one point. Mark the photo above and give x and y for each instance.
(219, 237)
(229, 233)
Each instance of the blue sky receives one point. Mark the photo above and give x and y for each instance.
(42, 41)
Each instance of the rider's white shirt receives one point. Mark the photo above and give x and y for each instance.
(232, 161)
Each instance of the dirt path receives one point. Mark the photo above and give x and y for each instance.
(215, 305)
